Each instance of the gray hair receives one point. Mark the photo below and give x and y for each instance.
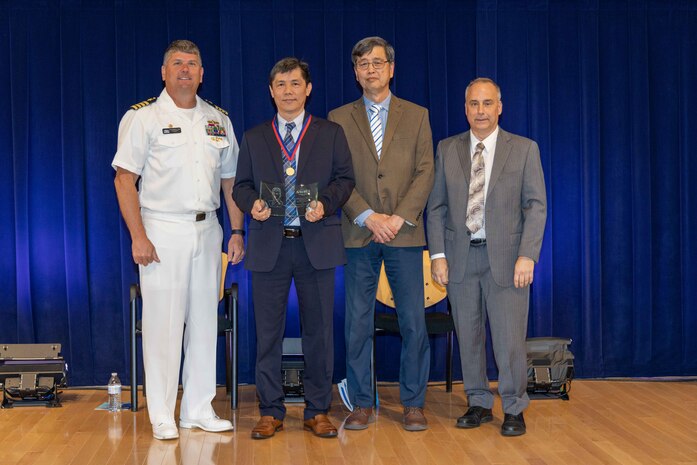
(367, 45)
(482, 80)
(184, 46)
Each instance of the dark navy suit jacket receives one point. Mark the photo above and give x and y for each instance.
(325, 159)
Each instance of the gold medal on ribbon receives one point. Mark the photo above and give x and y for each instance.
(290, 171)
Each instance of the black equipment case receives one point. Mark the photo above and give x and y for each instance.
(30, 374)
(550, 367)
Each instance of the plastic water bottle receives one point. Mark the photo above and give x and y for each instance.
(114, 390)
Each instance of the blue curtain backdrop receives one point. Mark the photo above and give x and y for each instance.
(607, 88)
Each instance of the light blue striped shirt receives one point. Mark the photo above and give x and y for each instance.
(384, 110)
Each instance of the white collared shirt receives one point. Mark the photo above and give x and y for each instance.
(179, 157)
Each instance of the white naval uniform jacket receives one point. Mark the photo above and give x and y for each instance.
(180, 160)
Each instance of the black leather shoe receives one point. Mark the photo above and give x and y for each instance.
(474, 416)
(513, 425)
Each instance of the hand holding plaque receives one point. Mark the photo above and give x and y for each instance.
(274, 194)
(304, 194)
(314, 211)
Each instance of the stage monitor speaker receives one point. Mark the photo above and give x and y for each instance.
(31, 374)
(550, 367)
(292, 370)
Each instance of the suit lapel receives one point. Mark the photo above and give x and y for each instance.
(274, 149)
(306, 146)
(463, 151)
(393, 117)
(503, 149)
(360, 116)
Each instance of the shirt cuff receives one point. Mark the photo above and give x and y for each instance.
(437, 255)
(360, 219)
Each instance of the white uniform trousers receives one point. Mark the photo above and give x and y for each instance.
(182, 289)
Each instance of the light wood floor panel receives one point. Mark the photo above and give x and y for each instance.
(606, 422)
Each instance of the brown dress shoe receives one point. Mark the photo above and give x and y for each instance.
(414, 419)
(266, 427)
(359, 418)
(321, 426)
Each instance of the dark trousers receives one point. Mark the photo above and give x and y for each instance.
(315, 290)
(404, 269)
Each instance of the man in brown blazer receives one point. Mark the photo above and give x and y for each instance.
(392, 150)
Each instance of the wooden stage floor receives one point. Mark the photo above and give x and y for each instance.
(605, 422)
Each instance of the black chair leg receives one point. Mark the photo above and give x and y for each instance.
(232, 349)
(374, 375)
(228, 367)
(449, 362)
(134, 354)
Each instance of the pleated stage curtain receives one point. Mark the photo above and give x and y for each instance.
(607, 89)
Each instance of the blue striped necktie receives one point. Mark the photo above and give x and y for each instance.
(289, 166)
(376, 127)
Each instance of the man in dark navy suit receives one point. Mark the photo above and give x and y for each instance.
(291, 150)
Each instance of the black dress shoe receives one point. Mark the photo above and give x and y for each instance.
(513, 425)
(474, 417)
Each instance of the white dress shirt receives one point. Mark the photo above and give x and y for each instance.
(488, 154)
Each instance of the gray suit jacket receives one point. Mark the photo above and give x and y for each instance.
(399, 181)
(515, 210)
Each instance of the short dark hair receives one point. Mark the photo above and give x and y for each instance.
(367, 45)
(482, 80)
(184, 46)
(288, 64)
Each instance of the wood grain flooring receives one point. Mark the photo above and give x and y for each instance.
(605, 422)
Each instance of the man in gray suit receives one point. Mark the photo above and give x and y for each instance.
(486, 219)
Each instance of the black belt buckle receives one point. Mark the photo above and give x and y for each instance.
(292, 232)
(200, 216)
(477, 242)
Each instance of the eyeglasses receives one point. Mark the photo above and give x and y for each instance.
(377, 64)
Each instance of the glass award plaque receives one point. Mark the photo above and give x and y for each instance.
(304, 194)
(274, 194)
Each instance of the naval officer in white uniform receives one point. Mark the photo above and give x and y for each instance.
(180, 150)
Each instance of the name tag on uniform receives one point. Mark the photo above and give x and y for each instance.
(171, 130)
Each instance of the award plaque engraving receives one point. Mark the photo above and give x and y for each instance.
(274, 194)
(304, 194)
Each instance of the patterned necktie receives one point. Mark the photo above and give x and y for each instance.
(376, 127)
(475, 200)
(290, 171)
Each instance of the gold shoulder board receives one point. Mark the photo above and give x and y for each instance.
(215, 106)
(144, 103)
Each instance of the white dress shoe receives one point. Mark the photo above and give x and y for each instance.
(213, 424)
(165, 431)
